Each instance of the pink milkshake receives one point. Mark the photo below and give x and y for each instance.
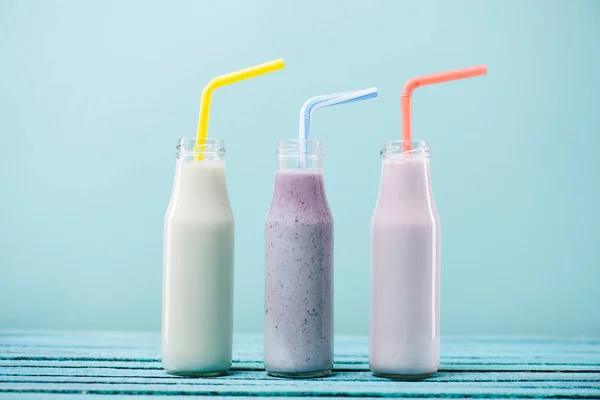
(405, 267)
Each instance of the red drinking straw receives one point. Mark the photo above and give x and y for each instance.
(429, 79)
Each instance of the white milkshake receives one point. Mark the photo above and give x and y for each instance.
(198, 267)
(405, 268)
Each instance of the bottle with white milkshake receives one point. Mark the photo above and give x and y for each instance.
(405, 267)
(198, 264)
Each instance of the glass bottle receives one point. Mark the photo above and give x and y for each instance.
(299, 266)
(405, 267)
(198, 264)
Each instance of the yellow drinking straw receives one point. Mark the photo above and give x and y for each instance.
(223, 80)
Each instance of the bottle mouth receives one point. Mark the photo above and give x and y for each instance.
(398, 148)
(310, 148)
(208, 148)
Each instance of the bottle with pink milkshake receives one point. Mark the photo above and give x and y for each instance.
(405, 260)
(299, 255)
(405, 252)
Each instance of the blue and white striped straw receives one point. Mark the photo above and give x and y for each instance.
(325, 101)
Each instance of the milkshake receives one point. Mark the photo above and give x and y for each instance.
(198, 266)
(405, 267)
(299, 269)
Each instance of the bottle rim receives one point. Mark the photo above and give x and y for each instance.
(310, 148)
(212, 147)
(398, 148)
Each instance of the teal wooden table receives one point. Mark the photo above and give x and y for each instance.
(70, 365)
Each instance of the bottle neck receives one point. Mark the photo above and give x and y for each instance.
(405, 172)
(195, 150)
(299, 154)
(200, 186)
(405, 148)
(200, 157)
(300, 191)
(299, 163)
(405, 179)
(205, 175)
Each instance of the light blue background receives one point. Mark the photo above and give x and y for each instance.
(94, 94)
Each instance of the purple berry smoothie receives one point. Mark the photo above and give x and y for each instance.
(299, 274)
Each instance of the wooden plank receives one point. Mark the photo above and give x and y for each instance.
(454, 380)
(356, 376)
(590, 361)
(311, 388)
(339, 366)
(116, 396)
(587, 357)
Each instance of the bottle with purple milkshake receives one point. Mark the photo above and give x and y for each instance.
(299, 267)
(299, 254)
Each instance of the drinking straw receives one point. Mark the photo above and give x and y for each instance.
(429, 79)
(325, 101)
(223, 80)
